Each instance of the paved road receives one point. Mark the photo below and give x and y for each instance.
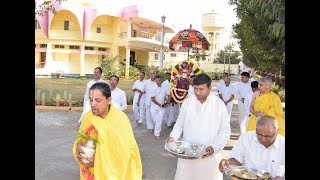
(55, 133)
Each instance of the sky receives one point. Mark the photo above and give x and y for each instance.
(180, 13)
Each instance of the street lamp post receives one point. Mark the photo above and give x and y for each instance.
(163, 19)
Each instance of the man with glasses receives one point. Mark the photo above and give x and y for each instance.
(262, 149)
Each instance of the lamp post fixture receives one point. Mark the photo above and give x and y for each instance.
(163, 19)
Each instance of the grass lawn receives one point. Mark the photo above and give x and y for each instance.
(76, 87)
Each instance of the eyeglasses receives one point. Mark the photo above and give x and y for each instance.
(269, 137)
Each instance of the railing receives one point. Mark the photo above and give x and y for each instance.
(141, 34)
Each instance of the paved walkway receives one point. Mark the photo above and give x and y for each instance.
(55, 133)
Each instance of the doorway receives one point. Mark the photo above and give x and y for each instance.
(132, 58)
(42, 59)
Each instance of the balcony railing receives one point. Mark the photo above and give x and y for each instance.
(141, 34)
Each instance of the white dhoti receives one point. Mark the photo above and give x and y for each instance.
(169, 112)
(242, 116)
(157, 113)
(149, 121)
(142, 110)
(136, 109)
(204, 169)
(229, 108)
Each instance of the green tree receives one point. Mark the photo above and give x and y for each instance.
(261, 33)
(228, 51)
(110, 66)
(42, 7)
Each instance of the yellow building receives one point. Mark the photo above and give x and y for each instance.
(74, 38)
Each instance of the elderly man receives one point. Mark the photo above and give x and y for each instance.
(147, 88)
(203, 119)
(226, 94)
(262, 149)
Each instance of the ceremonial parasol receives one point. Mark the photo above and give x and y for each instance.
(189, 38)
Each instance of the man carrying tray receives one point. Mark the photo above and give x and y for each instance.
(204, 119)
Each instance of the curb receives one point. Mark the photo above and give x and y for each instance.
(67, 108)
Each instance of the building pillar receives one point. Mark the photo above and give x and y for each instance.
(127, 61)
(82, 61)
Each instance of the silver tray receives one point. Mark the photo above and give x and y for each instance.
(183, 149)
(247, 173)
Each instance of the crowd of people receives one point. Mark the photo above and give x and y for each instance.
(202, 117)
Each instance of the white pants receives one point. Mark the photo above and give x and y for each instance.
(135, 109)
(242, 116)
(169, 112)
(229, 108)
(149, 121)
(142, 110)
(157, 113)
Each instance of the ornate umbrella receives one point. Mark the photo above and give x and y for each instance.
(188, 39)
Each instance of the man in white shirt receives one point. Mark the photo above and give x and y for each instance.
(262, 149)
(226, 94)
(97, 77)
(146, 88)
(221, 82)
(248, 98)
(118, 96)
(158, 95)
(244, 88)
(139, 108)
(203, 119)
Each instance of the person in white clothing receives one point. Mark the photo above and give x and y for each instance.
(118, 96)
(146, 88)
(97, 77)
(158, 95)
(139, 108)
(169, 109)
(244, 88)
(262, 149)
(248, 98)
(227, 93)
(203, 119)
(221, 82)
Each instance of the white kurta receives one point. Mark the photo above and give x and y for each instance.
(208, 124)
(86, 103)
(147, 87)
(220, 84)
(226, 93)
(141, 108)
(157, 112)
(252, 154)
(119, 99)
(242, 90)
